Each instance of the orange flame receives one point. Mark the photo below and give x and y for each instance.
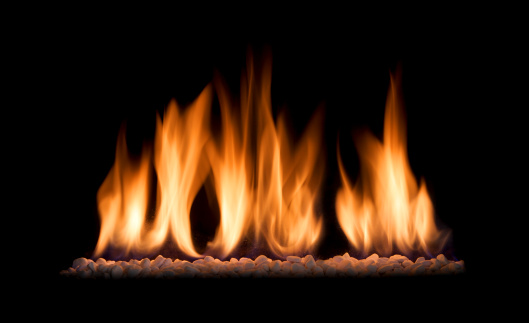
(260, 186)
(263, 186)
(122, 200)
(181, 169)
(386, 208)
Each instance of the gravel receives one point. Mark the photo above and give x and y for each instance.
(262, 266)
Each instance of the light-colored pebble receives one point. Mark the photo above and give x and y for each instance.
(145, 262)
(442, 258)
(373, 256)
(297, 268)
(93, 266)
(264, 266)
(306, 259)
(261, 259)
(343, 265)
(427, 263)
(276, 266)
(359, 267)
(398, 258)
(310, 263)
(407, 263)
(385, 268)
(116, 272)
(337, 259)
(286, 266)
(80, 262)
(368, 261)
(167, 263)
(293, 259)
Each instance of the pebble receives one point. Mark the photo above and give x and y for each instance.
(398, 258)
(134, 271)
(79, 262)
(158, 261)
(145, 262)
(442, 259)
(343, 265)
(293, 259)
(248, 265)
(297, 268)
(276, 267)
(262, 267)
(371, 268)
(286, 266)
(92, 265)
(307, 259)
(385, 268)
(310, 263)
(407, 263)
(373, 257)
(116, 272)
(330, 272)
(337, 259)
(261, 259)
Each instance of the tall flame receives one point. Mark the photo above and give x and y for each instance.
(122, 200)
(262, 187)
(387, 208)
(265, 187)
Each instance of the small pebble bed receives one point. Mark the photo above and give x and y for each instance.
(262, 267)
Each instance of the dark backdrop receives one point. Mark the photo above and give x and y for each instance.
(109, 73)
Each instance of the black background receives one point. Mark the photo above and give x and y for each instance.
(100, 71)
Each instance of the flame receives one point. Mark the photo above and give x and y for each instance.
(261, 185)
(387, 208)
(122, 200)
(181, 169)
(265, 186)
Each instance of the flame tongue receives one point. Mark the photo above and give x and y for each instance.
(181, 170)
(264, 188)
(122, 200)
(386, 208)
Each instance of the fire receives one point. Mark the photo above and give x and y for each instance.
(122, 200)
(181, 169)
(266, 188)
(386, 208)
